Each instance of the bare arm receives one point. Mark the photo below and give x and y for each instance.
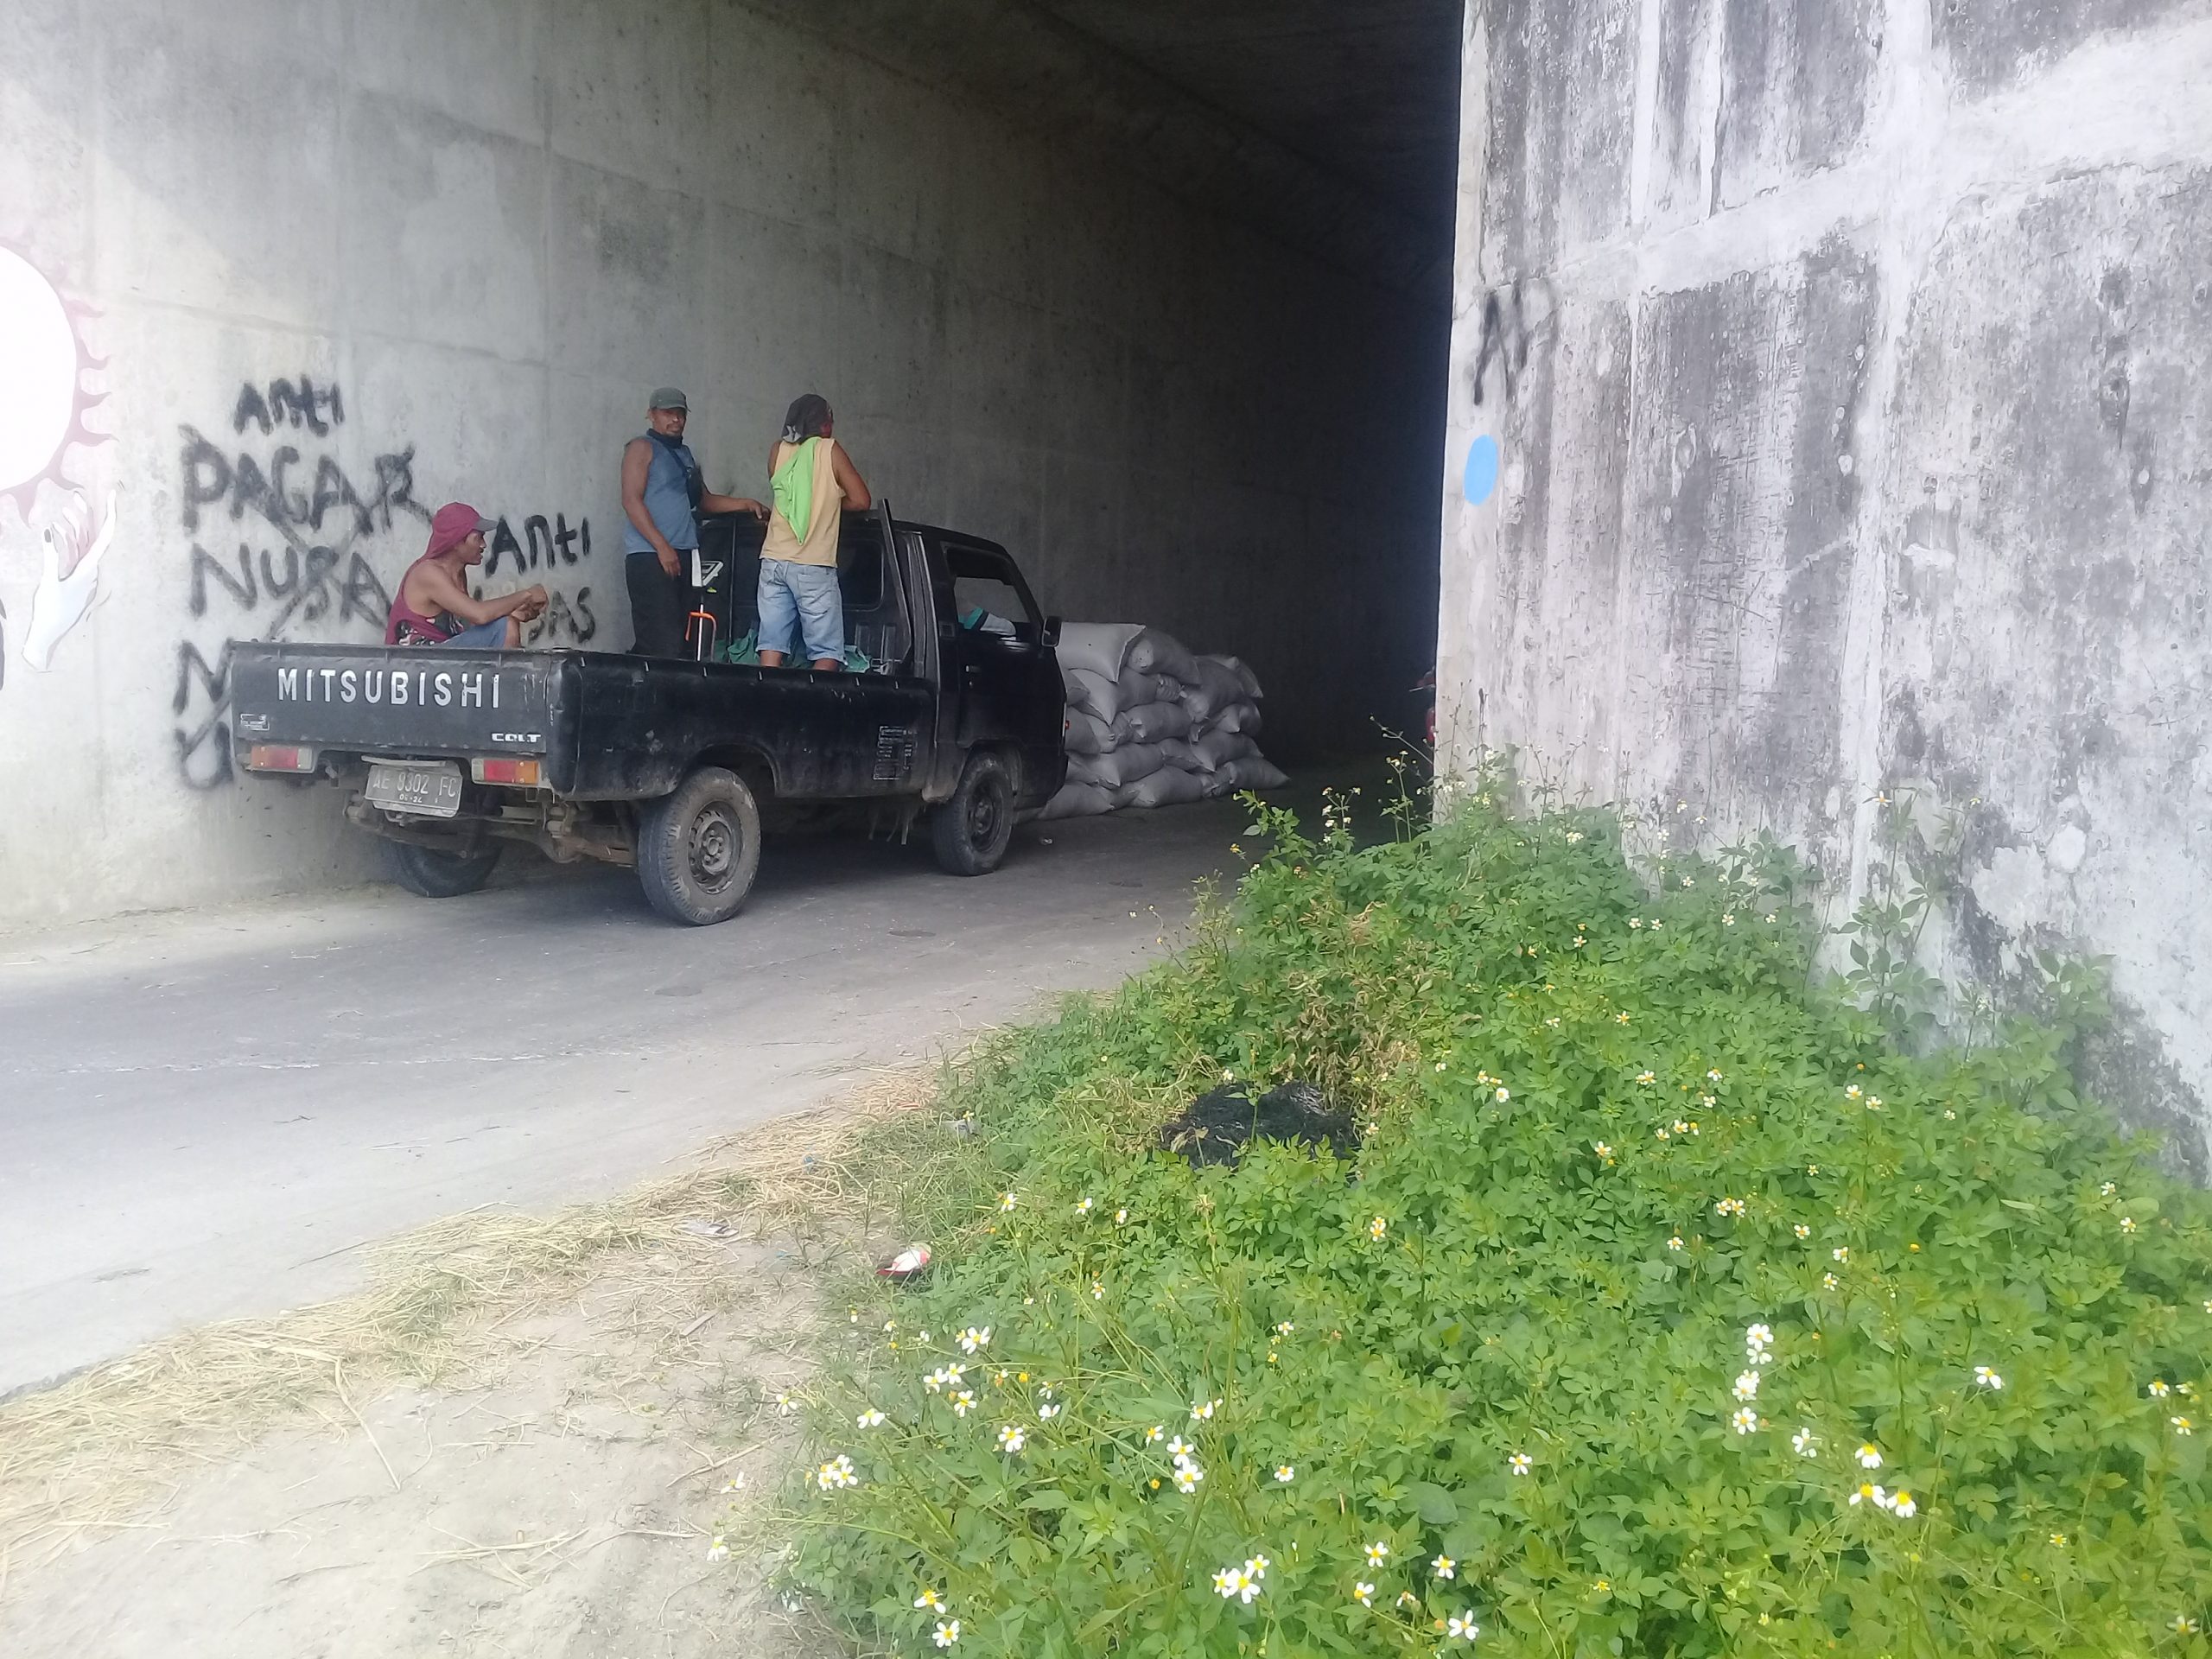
(710, 502)
(857, 499)
(636, 462)
(436, 589)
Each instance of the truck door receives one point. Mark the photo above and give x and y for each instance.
(995, 660)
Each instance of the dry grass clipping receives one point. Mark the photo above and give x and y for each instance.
(91, 1453)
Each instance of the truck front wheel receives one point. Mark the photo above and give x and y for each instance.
(429, 873)
(971, 830)
(699, 848)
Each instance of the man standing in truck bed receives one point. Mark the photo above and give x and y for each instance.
(662, 494)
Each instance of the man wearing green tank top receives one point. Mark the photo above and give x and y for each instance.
(814, 483)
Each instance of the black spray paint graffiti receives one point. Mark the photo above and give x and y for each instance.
(550, 545)
(304, 404)
(314, 572)
(1515, 318)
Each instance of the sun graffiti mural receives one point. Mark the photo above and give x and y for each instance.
(46, 391)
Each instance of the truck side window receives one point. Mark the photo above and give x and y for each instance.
(986, 596)
(859, 561)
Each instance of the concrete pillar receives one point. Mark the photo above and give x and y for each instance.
(1850, 370)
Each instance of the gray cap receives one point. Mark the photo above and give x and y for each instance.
(669, 397)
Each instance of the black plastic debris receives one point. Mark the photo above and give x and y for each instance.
(1220, 1122)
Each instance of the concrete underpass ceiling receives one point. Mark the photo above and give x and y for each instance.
(1331, 124)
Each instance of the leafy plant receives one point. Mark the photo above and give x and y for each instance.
(1909, 880)
(1667, 1308)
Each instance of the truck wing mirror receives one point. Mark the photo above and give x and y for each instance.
(1051, 631)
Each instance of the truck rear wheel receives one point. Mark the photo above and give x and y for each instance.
(971, 831)
(699, 848)
(431, 873)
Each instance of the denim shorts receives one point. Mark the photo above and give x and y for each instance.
(485, 636)
(802, 599)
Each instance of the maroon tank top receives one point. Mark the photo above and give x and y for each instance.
(408, 627)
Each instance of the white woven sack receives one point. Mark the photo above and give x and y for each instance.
(1237, 717)
(1245, 676)
(1155, 652)
(1149, 722)
(1253, 772)
(1216, 749)
(1092, 692)
(1215, 687)
(1138, 686)
(1122, 765)
(1077, 800)
(1169, 786)
(1088, 735)
(1103, 648)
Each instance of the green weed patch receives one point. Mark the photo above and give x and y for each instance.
(1665, 1308)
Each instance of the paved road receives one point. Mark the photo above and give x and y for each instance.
(205, 1116)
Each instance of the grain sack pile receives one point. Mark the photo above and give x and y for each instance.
(1149, 724)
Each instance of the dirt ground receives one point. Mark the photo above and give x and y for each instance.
(563, 1496)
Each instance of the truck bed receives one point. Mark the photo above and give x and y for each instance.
(604, 726)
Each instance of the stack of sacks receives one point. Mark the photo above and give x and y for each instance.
(1149, 724)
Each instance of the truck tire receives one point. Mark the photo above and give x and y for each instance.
(970, 831)
(699, 848)
(430, 873)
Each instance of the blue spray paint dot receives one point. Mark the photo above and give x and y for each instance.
(1482, 470)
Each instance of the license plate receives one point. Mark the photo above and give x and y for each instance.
(428, 791)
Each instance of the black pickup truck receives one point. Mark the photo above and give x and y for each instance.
(671, 765)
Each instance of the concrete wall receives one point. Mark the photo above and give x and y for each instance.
(330, 262)
(1848, 366)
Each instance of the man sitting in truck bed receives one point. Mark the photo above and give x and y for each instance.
(434, 606)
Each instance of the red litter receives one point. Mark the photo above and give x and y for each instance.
(910, 1263)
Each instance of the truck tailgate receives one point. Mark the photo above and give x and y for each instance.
(413, 701)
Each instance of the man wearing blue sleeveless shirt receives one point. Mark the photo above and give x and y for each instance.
(662, 494)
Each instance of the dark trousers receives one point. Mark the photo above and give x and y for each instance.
(660, 605)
